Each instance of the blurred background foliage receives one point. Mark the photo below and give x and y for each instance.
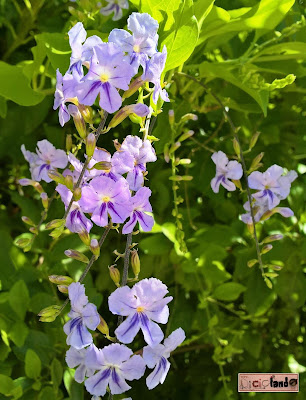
(252, 55)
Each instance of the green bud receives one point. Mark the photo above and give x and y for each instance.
(166, 153)
(236, 147)
(114, 274)
(184, 161)
(271, 274)
(62, 288)
(123, 113)
(251, 263)
(254, 139)
(87, 113)
(272, 238)
(23, 242)
(44, 200)
(256, 161)
(174, 147)
(134, 86)
(49, 311)
(95, 248)
(77, 194)
(68, 182)
(48, 319)
(90, 144)
(78, 120)
(187, 178)
(60, 279)
(176, 178)
(275, 267)
(34, 230)
(27, 221)
(76, 255)
(84, 236)
(102, 166)
(185, 136)
(135, 262)
(171, 117)
(37, 186)
(68, 143)
(56, 223)
(57, 232)
(268, 283)
(103, 327)
(56, 176)
(266, 248)
(188, 117)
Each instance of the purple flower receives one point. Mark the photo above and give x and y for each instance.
(142, 304)
(108, 71)
(261, 212)
(141, 205)
(47, 157)
(115, 365)
(142, 43)
(116, 7)
(271, 186)
(82, 50)
(157, 357)
(76, 358)
(76, 221)
(64, 93)
(103, 197)
(152, 73)
(142, 152)
(83, 315)
(225, 170)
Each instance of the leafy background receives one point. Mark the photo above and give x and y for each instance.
(252, 55)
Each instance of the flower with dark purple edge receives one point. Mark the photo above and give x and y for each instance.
(83, 315)
(115, 364)
(225, 170)
(115, 6)
(76, 358)
(47, 157)
(142, 304)
(142, 152)
(141, 205)
(108, 71)
(152, 73)
(157, 357)
(103, 196)
(76, 221)
(82, 49)
(271, 186)
(143, 41)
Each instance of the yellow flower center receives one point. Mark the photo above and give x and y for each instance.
(139, 309)
(105, 199)
(136, 48)
(104, 78)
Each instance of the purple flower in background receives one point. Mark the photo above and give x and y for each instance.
(141, 205)
(271, 186)
(142, 304)
(142, 43)
(142, 152)
(152, 73)
(225, 170)
(115, 6)
(103, 197)
(47, 157)
(64, 93)
(83, 315)
(109, 71)
(115, 365)
(76, 221)
(76, 358)
(158, 355)
(82, 50)
(261, 212)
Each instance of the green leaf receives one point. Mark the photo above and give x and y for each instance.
(258, 298)
(47, 393)
(6, 385)
(229, 291)
(281, 52)
(19, 333)
(57, 49)
(3, 107)
(201, 9)
(19, 298)
(32, 364)
(15, 86)
(159, 9)
(56, 372)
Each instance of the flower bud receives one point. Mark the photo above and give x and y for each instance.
(256, 161)
(276, 267)
(78, 120)
(23, 242)
(37, 186)
(114, 274)
(251, 263)
(166, 153)
(63, 288)
(49, 311)
(187, 178)
(56, 233)
(271, 274)
(34, 230)
(103, 327)
(60, 279)
(268, 283)
(174, 147)
(90, 144)
(236, 147)
(68, 182)
(84, 236)
(102, 166)
(134, 86)
(68, 142)
(76, 255)
(44, 200)
(171, 117)
(56, 223)
(184, 161)
(135, 262)
(26, 182)
(87, 113)
(56, 176)
(94, 247)
(188, 117)
(272, 238)
(48, 319)
(117, 144)
(254, 139)
(139, 109)
(77, 194)
(185, 136)
(237, 183)
(27, 221)
(266, 248)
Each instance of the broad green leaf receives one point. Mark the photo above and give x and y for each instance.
(15, 86)
(56, 373)
(32, 364)
(57, 49)
(19, 298)
(161, 10)
(229, 291)
(258, 298)
(3, 107)
(201, 10)
(47, 393)
(6, 385)
(19, 333)
(282, 51)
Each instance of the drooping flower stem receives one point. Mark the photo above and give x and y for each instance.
(234, 130)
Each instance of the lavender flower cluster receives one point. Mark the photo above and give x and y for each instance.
(271, 187)
(144, 306)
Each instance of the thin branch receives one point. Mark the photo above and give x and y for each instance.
(245, 173)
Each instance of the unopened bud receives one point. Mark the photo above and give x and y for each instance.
(76, 255)
(77, 194)
(251, 263)
(102, 166)
(174, 147)
(68, 142)
(134, 86)
(56, 176)
(63, 288)
(49, 311)
(166, 153)
(48, 319)
(94, 247)
(87, 113)
(171, 117)
(268, 283)
(187, 178)
(188, 117)
(26, 182)
(90, 144)
(27, 221)
(256, 161)
(117, 144)
(271, 274)
(56, 223)
(78, 120)
(60, 279)
(266, 248)
(37, 186)
(254, 139)
(176, 178)
(184, 161)
(141, 110)
(236, 147)
(185, 136)
(237, 183)
(44, 200)
(103, 327)
(68, 182)
(114, 274)
(56, 233)
(272, 238)
(34, 230)
(276, 267)
(135, 262)
(23, 242)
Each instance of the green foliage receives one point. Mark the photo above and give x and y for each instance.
(251, 54)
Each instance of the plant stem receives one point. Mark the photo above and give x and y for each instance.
(245, 173)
